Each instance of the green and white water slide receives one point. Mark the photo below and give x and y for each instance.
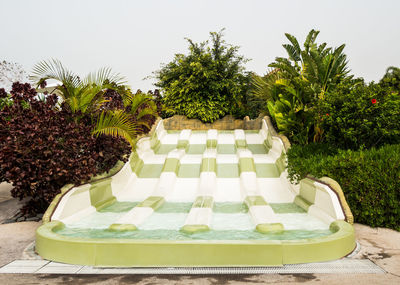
(199, 198)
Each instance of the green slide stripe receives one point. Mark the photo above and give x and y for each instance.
(267, 170)
(152, 202)
(268, 141)
(308, 190)
(154, 141)
(209, 164)
(195, 149)
(192, 229)
(281, 163)
(257, 148)
(227, 170)
(171, 165)
(182, 144)
(150, 171)
(246, 164)
(203, 202)
(226, 148)
(211, 143)
(100, 194)
(189, 171)
(240, 143)
(136, 163)
(255, 201)
(122, 227)
(301, 202)
(267, 228)
(164, 148)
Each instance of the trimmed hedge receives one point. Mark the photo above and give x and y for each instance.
(361, 116)
(370, 179)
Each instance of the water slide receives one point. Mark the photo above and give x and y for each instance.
(199, 198)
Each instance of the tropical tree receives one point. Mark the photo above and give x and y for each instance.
(323, 67)
(207, 83)
(86, 98)
(296, 85)
(392, 78)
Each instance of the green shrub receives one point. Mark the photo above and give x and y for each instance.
(206, 84)
(370, 179)
(361, 116)
(391, 78)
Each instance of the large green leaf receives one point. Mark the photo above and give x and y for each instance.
(118, 124)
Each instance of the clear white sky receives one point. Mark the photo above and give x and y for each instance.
(135, 37)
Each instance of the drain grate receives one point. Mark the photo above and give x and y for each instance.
(338, 266)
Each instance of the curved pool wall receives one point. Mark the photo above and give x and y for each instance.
(122, 218)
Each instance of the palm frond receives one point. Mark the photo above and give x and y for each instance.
(137, 101)
(117, 124)
(145, 112)
(104, 76)
(53, 69)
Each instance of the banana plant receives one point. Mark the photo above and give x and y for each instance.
(298, 83)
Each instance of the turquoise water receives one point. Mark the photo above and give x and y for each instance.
(178, 235)
(229, 207)
(229, 221)
(219, 207)
(171, 207)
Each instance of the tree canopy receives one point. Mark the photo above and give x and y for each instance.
(207, 83)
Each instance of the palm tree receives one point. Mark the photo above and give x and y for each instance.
(86, 98)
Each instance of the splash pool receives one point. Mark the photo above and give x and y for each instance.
(199, 198)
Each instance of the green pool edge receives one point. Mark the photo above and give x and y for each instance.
(166, 253)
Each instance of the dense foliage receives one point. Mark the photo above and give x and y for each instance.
(42, 148)
(391, 78)
(357, 115)
(294, 88)
(141, 107)
(87, 97)
(370, 178)
(206, 84)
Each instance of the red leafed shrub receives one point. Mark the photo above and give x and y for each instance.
(42, 148)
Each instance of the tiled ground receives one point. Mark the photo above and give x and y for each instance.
(345, 265)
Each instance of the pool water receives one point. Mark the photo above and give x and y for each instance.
(230, 221)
